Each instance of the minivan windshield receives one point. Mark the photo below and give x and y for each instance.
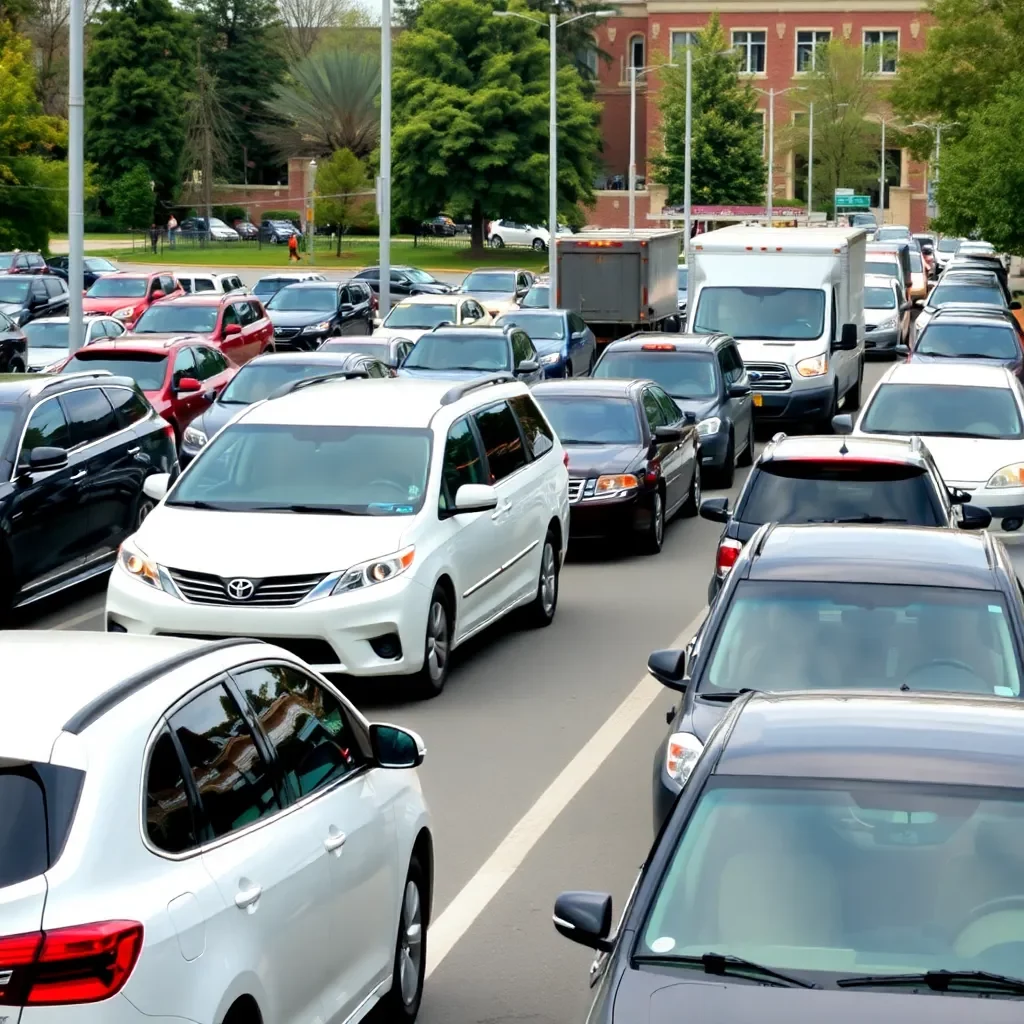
(269, 467)
(681, 374)
(787, 635)
(772, 314)
(942, 410)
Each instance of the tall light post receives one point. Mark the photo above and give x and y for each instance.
(553, 24)
(76, 172)
(384, 179)
(312, 212)
(771, 94)
(937, 128)
(810, 159)
(634, 74)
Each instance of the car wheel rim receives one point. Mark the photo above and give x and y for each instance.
(548, 579)
(659, 520)
(410, 953)
(437, 641)
(145, 507)
(696, 484)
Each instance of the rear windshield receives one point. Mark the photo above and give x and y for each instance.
(681, 374)
(37, 805)
(580, 419)
(969, 341)
(949, 244)
(889, 268)
(947, 293)
(791, 491)
(879, 298)
(147, 369)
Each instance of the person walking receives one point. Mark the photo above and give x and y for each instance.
(293, 248)
(154, 236)
(172, 229)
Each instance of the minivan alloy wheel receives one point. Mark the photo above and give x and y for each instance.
(548, 579)
(437, 641)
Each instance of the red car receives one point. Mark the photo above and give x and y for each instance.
(127, 296)
(180, 376)
(236, 324)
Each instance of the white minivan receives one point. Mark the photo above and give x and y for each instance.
(793, 298)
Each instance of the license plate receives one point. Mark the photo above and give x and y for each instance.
(758, 400)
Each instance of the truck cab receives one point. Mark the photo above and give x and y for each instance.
(793, 298)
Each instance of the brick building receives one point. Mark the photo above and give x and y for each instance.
(776, 40)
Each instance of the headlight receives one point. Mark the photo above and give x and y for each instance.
(138, 565)
(621, 482)
(195, 437)
(887, 325)
(365, 574)
(712, 425)
(815, 366)
(324, 325)
(125, 313)
(1008, 476)
(550, 359)
(681, 754)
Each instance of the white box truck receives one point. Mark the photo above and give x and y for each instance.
(793, 298)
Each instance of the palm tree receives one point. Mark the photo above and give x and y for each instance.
(329, 104)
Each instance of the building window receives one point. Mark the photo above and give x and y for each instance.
(760, 114)
(587, 59)
(636, 52)
(881, 48)
(680, 41)
(807, 43)
(751, 47)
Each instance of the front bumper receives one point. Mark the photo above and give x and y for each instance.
(597, 518)
(287, 341)
(882, 341)
(802, 404)
(1003, 503)
(332, 634)
(714, 448)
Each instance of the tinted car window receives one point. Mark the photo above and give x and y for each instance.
(681, 374)
(586, 419)
(942, 410)
(147, 369)
(503, 444)
(54, 286)
(951, 291)
(128, 406)
(538, 433)
(462, 462)
(47, 428)
(653, 411)
(792, 491)
(522, 348)
(184, 366)
(315, 744)
(669, 409)
(90, 415)
(209, 363)
(233, 780)
(170, 823)
(975, 341)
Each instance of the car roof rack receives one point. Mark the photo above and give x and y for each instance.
(78, 375)
(107, 701)
(306, 382)
(461, 390)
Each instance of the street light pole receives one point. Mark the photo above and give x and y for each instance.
(76, 173)
(312, 211)
(810, 161)
(688, 154)
(881, 180)
(771, 154)
(384, 181)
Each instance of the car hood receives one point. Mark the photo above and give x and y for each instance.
(110, 305)
(876, 316)
(656, 997)
(496, 302)
(39, 357)
(229, 543)
(963, 460)
(216, 416)
(297, 317)
(447, 374)
(12, 309)
(409, 333)
(594, 459)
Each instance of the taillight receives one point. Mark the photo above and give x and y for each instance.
(83, 964)
(728, 551)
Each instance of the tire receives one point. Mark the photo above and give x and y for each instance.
(825, 423)
(692, 504)
(16, 366)
(143, 507)
(538, 245)
(853, 396)
(724, 476)
(747, 458)
(541, 610)
(437, 647)
(567, 370)
(402, 1002)
(654, 536)
(497, 242)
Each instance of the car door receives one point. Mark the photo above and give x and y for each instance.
(233, 342)
(270, 868)
(214, 372)
(156, 452)
(687, 449)
(400, 283)
(111, 486)
(46, 528)
(324, 762)
(187, 405)
(252, 330)
(667, 454)
(731, 409)
(262, 326)
(583, 345)
(57, 295)
(38, 299)
(738, 375)
(362, 300)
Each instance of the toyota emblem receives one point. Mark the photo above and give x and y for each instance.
(240, 590)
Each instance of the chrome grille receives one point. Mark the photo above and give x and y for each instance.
(769, 376)
(273, 591)
(576, 489)
(286, 332)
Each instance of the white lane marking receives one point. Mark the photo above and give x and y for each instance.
(471, 901)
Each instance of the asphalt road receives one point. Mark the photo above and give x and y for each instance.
(538, 771)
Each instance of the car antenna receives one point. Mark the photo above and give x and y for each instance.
(843, 449)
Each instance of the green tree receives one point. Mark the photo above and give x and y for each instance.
(727, 162)
(471, 115)
(131, 199)
(243, 46)
(330, 104)
(339, 182)
(575, 40)
(33, 186)
(135, 83)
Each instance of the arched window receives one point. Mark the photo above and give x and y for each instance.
(636, 51)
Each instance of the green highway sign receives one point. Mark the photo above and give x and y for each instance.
(853, 202)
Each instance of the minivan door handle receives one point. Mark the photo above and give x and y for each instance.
(81, 473)
(245, 899)
(335, 840)
(502, 510)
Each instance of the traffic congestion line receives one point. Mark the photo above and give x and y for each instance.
(472, 900)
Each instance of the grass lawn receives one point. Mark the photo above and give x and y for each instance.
(93, 237)
(355, 253)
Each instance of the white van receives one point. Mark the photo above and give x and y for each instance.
(793, 298)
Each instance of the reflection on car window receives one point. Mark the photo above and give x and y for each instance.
(503, 444)
(169, 821)
(783, 314)
(975, 341)
(538, 434)
(47, 428)
(463, 352)
(681, 374)
(462, 463)
(942, 410)
(147, 369)
(590, 420)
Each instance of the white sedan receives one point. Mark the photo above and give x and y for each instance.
(417, 314)
(971, 418)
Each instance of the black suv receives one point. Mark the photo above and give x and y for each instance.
(405, 281)
(831, 607)
(837, 480)
(25, 297)
(307, 313)
(23, 263)
(74, 452)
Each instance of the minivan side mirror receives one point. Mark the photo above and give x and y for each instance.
(847, 339)
(396, 748)
(528, 366)
(586, 918)
(475, 498)
(716, 510)
(155, 486)
(669, 668)
(957, 496)
(974, 518)
(843, 423)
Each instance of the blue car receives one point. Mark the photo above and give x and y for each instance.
(462, 353)
(565, 344)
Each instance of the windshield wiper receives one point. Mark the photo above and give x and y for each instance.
(725, 695)
(724, 964)
(942, 981)
(313, 510)
(858, 519)
(937, 355)
(206, 506)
